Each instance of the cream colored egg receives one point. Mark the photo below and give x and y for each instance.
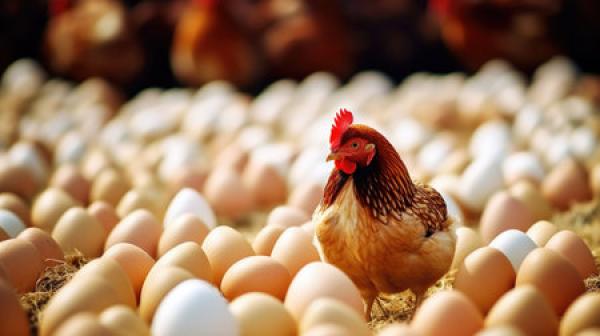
(49, 206)
(15, 322)
(190, 257)
(504, 330)
(328, 330)
(447, 313)
(581, 315)
(105, 214)
(134, 261)
(306, 196)
(532, 197)
(541, 232)
(397, 329)
(109, 186)
(331, 311)
(82, 324)
(256, 274)
(21, 262)
(575, 250)
(113, 273)
(265, 239)
(294, 249)
(76, 230)
(139, 228)
(123, 321)
(156, 286)
(224, 246)
(138, 199)
(187, 227)
(467, 241)
(287, 216)
(251, 309)
(265, 183)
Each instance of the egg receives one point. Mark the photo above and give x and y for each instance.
(224, 246)
(11, 223)
(467, 241)
(553, 275)
(135, 262)
(92, 295)
(187, 227)
(123, 321)
(78, 230)
(49, 206)
(294, 249)
(21, 262)
(69, 178)
(595, 179)
(306, 196)
(532, 197)
(227, 194)
(15, 321)
(109, 186)
(265, 239)
(115, 275)
(333, 283)
(28, 155)
(194, 307)
(479, 181)
(447, 313)
(589, 332)
(156, 286)
(265, 183)
(504, 212)
(138, 199)
(484, 276)
(14, 204)
(105, 214)
(17, 179)
(581, 315)
(574, 249)
(397, 329)
(139, 228)
(515, 245)
(47, 247)
(250, 310)
(541, 232)
(192, 177)
(189, 201)
(525, 308)
(327, 330)
(83, 324)
(331, 311)
(522, 165)
(566, 184)
(287, 216)
(190, 257)
(3, 235)
(256, 274)
(504, 330)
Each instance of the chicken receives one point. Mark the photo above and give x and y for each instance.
(387, 233)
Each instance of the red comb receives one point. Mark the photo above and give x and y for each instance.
(342, 121)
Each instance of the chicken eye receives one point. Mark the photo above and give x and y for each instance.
(355, 145)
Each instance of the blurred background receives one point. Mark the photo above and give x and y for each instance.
(136, 44)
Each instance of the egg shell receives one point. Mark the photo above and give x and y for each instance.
(115, 275)
(3, 235)
(553, 275)
(123, 321)
(327, 330)
(333, 283)
(191, 177)
(187, 227)
(17, 179)
(479, 181)
(581, 315)
(532, 197)
(14, 204)
(397, 329)
(224, 246)
(541, 232)
(294, 249)
(525, 308)
(15, 321)
(227, 194)
(574, 249)
(137, 199)
(139, 228)
(566, 184)
(504, 330)
(21, 263)
(515, 245)
(190, 201)
(447, 313)
(82, 324)
(92, 295)
(590, 332)
(109, 186)
(522, 165)
(250, 310)
(256, 274)
(266, 238)
(484, 276)
(502, 213)
(135, 262)
(265, 183)
(157, 285)
(47, 247)
(190, 257)
(194, 307)
(49, 206)
(69, 178)
(287, 216)
(331, 311)
(76, 230)
(105, 214)
(306, 196)
(467, 241)
(11, 223)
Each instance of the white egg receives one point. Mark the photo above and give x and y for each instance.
(189, 201)
(409, 134)
(453, 209)
(11, 223)
(583, 142)
(480, 180)
(522, 165)
(515, 245)
(432, 154)
(492, 138)
(270, 103)
(526, 121)
(303, 165)
(194, 307)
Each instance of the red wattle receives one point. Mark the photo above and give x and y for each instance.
(346, 166)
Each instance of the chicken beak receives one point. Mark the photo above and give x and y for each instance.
(333, 157)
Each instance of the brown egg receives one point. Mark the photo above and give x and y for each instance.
(328, 330)
(105, 214)
(123, 321)
(265, 183)
(581, 315)
(17, 206)
(504, 330)
(306, 197)
(134, 261)
(397, 329)
(294, 249)
(190, 257)
(287, 216)
(186, 177)
(553, 275)
(138, 199)
(504, 212)
(525, 308)
(157, 285)
(251, 309)
(530, 195)
(541, 232)
(92, 295)
(15, 321)
(49, 206)
(467, 241)
(187, 227)
(484, 276)
(332, 283)
(17, 179)
(82, 324)
(110, 270)
(78, 230)
(447, 313)
(21, 262)
(256, 274)
(109, 186)
(224, 246)
(566, 184)
(227, 194)
(574, 249)
(139, 228)
(70, 179)
(331, 311)
(265, 239)
(232, 156)
(47, 247)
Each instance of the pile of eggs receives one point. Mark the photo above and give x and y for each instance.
(143, 188)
